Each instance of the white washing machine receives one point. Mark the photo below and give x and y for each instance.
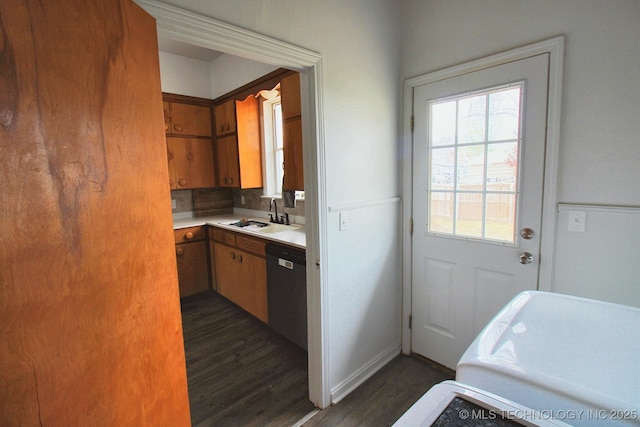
(566, 359)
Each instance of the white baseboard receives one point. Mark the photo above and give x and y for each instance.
(343, 389)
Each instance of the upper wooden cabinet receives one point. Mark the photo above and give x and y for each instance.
(190, 147)
(228, 164)
(187, 119)
(191, 163)
(292, 132)
(290, 96)
(225, 118)
(239, 152)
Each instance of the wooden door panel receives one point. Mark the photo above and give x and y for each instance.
(254, 276)
(192, 120)
(290, 95)
(249, 143)
(226, 272)
(89, 311)
(191, 162)
(225, 118)
(293, 161)
(193, 272)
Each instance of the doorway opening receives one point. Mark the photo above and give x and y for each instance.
(204, 32)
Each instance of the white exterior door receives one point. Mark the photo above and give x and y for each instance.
(478, 171)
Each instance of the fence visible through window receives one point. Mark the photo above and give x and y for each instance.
(474, 144)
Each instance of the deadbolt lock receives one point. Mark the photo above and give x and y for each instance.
(526, 233)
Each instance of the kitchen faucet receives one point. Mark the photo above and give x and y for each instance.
(274, 206)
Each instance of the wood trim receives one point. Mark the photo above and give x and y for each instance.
(189, 27)
(184, 99)
(266, 82)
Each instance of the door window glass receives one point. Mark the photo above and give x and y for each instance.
(474, 143)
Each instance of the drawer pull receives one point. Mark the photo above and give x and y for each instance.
(178, 128)
(188, 236)
(180, 251)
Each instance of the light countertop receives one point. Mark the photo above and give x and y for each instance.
(294, 237)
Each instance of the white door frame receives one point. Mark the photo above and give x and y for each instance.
(555, 48)
(199, 30)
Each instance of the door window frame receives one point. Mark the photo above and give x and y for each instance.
(554, 47)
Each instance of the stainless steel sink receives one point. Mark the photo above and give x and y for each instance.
(248, 222)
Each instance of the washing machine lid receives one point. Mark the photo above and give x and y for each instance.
(557, 352)
(453, 404)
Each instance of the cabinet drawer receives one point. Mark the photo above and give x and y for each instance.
(249, 244)
(188, 234)
(226, 237)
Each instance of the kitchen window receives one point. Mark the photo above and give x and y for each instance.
(273, 147)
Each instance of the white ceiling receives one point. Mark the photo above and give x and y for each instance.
(187, 50)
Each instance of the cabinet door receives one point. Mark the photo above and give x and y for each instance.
(290, 96)
(227, 272)
(192, 120)
(166, 107)
(191, 160)
(193, 273)
(254, 276)
(228, 166)
(225, 118)
(242, 279)
(293, 161)
(249, 142)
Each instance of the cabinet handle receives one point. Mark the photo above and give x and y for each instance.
(230, 180)
(179, 251)
(189, 235)
(182, 182)
(228, 127)
(178, 128)
(221, 128)
(233, 255)
(239, 258)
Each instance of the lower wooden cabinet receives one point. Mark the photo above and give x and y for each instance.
(241, 271)
(191, 257)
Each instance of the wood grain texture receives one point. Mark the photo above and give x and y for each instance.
(89, 307)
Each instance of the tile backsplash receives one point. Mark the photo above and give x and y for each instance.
(221, 200)
(183, 200)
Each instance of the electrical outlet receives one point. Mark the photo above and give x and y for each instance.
(577, 221)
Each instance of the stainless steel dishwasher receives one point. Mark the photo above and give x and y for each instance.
(287, 292)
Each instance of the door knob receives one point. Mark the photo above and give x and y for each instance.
(526, 233)
(526, 258)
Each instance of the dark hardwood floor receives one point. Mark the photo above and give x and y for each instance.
(241, 373)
